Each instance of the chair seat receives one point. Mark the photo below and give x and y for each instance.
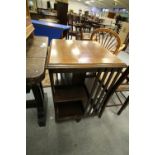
(123, 87)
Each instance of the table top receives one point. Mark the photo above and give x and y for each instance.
(59, 26)
(80, 54)
(36, 52)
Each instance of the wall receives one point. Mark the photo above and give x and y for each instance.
(43, 3)
(76, 6)
(71, 5)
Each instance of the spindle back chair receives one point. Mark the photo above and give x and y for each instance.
(107, 38)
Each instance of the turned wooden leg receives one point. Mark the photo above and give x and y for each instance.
(39, 98)
(123, 106)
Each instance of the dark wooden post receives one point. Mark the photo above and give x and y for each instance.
(39, 98)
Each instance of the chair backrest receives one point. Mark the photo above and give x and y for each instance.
(105, 84)
(124, 31)
(108, 39)
(70, 20)
(112, 89)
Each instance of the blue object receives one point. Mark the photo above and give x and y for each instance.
(51, 30)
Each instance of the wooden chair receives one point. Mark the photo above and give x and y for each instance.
(87, 36)
(124, 34)
(107, 38)
(104, 86)
(87, 27)
(72, 32)
(121, 85)
(124, 87)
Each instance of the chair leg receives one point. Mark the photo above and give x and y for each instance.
(123, 106)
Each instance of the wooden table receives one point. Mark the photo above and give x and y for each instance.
(36, 53)
(68, 64)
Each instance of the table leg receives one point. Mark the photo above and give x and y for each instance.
(40, 103)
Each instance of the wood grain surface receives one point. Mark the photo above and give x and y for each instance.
(80, 54)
